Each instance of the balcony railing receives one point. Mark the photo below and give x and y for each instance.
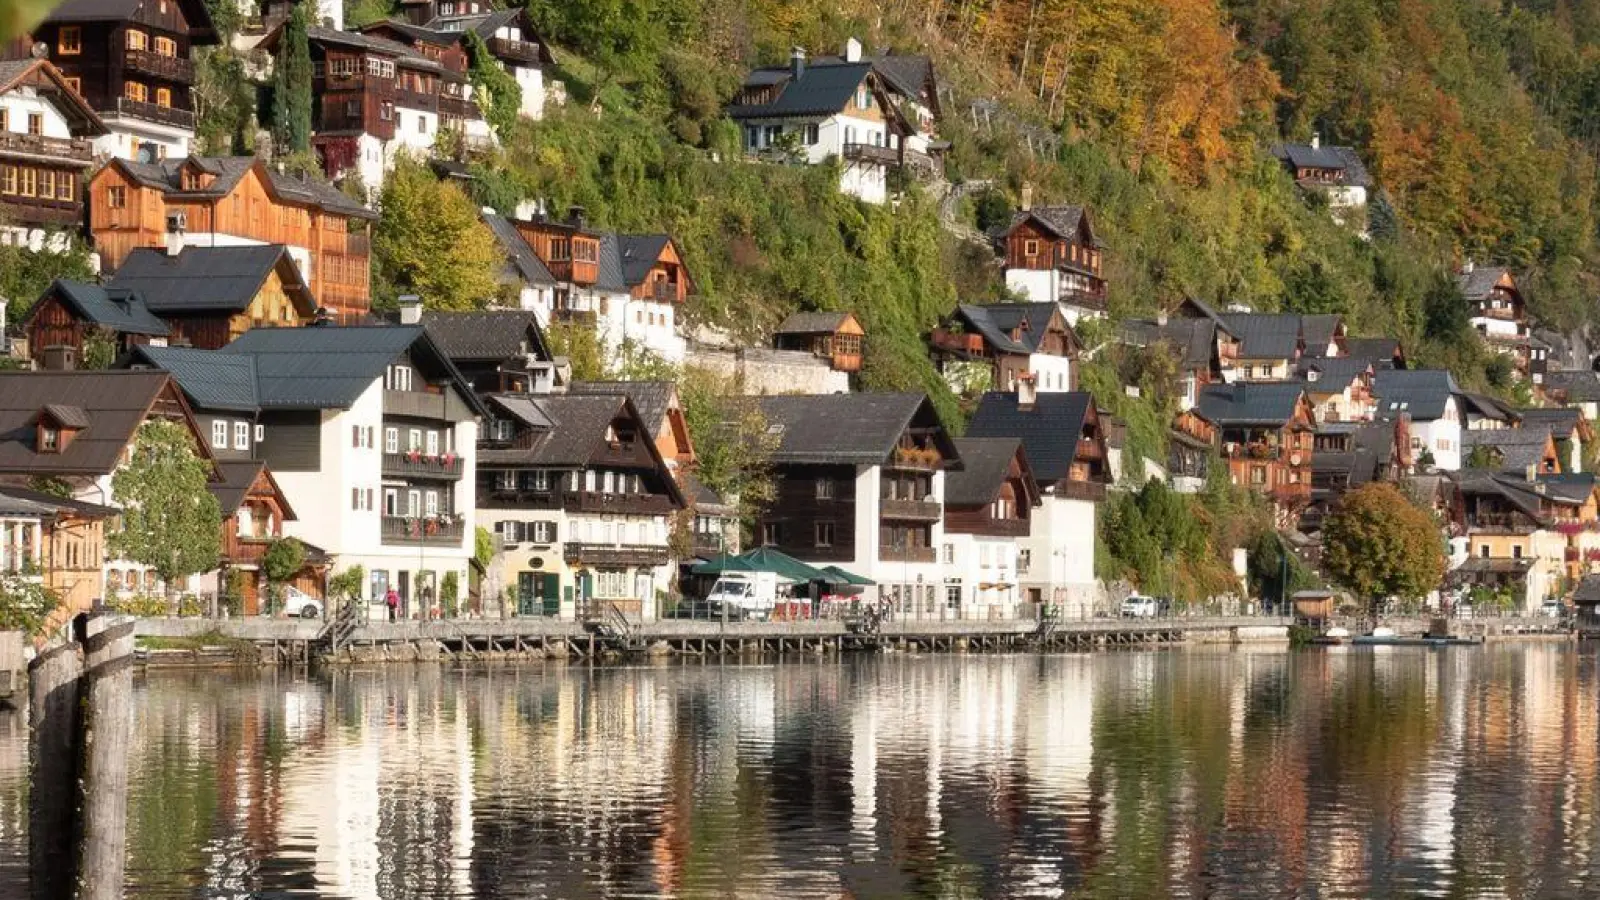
(416, 465)
(423, 531)
(709, 545)
(585, 317)
(151, 112)
(53, 148)
(911, 510)
(664, 292)
(872, 153)
(957, 342)
(907, 554)
(615, 554)
(1092, 491)
(1500, 523)
(516, 51)
(918, 459)
(459, 107)
(171, 68)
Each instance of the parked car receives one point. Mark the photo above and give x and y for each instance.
(1553, 610)
(299, 603)
(1138, 606)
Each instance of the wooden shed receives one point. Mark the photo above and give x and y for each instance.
(834, 336)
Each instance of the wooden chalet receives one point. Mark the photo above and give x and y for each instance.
(46, 144)
(569, 249)
(835, 337)
(456, 105)
(60, 539)
(1060, 239)
(130, 60)
(212, 200)
(1265, 432)
(1064, 435)
(253, 512)
(653, 268)
(995, 491)
(210, 295)
(1010, 338)
(661, 408)
(1498, 311)
(69, 311)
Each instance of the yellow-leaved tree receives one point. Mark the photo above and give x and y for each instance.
(430, 241)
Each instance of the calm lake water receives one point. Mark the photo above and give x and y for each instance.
(1189, 773)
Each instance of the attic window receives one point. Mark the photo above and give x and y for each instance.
(49, 440)
(863, 97)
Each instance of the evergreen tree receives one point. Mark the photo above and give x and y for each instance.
(291, 101)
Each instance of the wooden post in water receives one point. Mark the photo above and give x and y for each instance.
(107, 732)
(53, 792)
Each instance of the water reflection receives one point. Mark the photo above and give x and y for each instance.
(1354, 773)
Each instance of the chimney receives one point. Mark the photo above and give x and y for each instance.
(575, 216)
(177, 223)
(1027, 196)
(1532, 473)
(1316, 140)
(1027, 391)
(1466, 266)
(852, 50)
(410, 309)
(526, 210)
(797, 62)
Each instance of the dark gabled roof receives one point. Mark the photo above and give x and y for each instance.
(329, 367)
(1518, 448)
(610, 277)
(1479, 283)
(1572, 488)
(906, 73)
(1269, 403)
(1485, 407)
(1342, 159)
(1423, 394)
(1060, 221)
(985, 462)
(1049, 429)
(996, 322)
(486, 336)
(67, 415)
(1380, 351)
(85, 121)
(360, 41)
(1265, 335)
(1336, 371)
(209, 279)
(415, 32)
(121, 311)
(860, 429)
(638, 254)
(569, 431)
(237, 477)
(1579, 385)
(211, 380)
(115, 403)
(167, 176)
(1318, 331)
(195, 12)
(1561, 420)
(526, 263)
(19, 501)
(822, 89)
(651, 398)
(1195, 339)
(1588, 592)
(1371, 449)
(812, 323)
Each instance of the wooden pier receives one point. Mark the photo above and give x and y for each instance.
(293, 641)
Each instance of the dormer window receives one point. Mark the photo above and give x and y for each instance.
(49, 440)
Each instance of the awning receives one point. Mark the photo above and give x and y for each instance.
(840, 576)
(763, 559)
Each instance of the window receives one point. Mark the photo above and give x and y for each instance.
(433, 503)
(344, 68)
(1483, 550)
(355, 499)
(386, 111)
(863, 97)
(752, 138)
(414, 503)
(1258, 474)
(813, 135)
(137, 40)
(544, 532)
(8, 180)
(49, 440)
(47, 183)
(30, 182)
(70, 41)
(261, 433)
(355, 436)
(219, 435)
(241, 435)
(1024, 560)
(399, 378)
(36, 123)
(166, 46)
(949, 556)
(163, 97)
(505, 481)
(135, 91)
(414, 440)
(66, 186)
(541, 480)
(1030, 248)
(433, 443)
(391, 440)
(1516, 551)
(117, 197)
(824, 534)
(770, 533)
(824, 488)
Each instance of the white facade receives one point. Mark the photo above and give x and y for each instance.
(1059, 555)
(620, 320)
(1441, 437)
(538, 542)
(980, 576)
(1049, 286)
(913, 588)
(1051, 374)
(26, 111)
(340, 508)
(819, 138)
(142, 140)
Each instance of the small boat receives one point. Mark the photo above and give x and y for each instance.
(1393, 640)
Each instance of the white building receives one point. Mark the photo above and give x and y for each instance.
(1066, 450)
(580, 501)
(990, 502)
(1432, 403)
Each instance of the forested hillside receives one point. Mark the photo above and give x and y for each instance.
(1476, 120)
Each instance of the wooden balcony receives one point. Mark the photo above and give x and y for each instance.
(50, 149)
(615, 555)
(168, 68)
(910, 510)
(416, 100)
(872, 154)
(515, 51)
(617, 504)
(957, 342)
(915, 460)
(908, 554)
(151, 112)
(1088, 449)
(1092, 491)
(459, 107)
(407, 465)
(422, 532)
(1500, 524)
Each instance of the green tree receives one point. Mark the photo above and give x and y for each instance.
(170, 520)
(430, 241)
(581, 346)
(732, 442)
(483, 546)
(450, 593)
(99, 349)
(497, 92)
(282, 559)
(24, 604)
(291, 85)
(24, 274)
(1379, 544)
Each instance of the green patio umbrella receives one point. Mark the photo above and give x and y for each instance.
(840, 576)
(763, 559)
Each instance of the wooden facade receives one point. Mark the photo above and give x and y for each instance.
(52, 324)
(41, 175)
(569, 250)
(1034, 244)
(1009, 513)
(1273, 460)
(841, 346)
(248, 531)
(667, 281)
(813, 513)
(126, 212)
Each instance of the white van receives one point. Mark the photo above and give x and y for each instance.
(747, 595)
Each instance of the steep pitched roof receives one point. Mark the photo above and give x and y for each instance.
(210, 279)
(1318, 330)
(195, 12)
(1049, 429)
(237, 477)
(119, 310)
(1265, 335)
(1379, 351)
(1061, 221)
(329, 367)
(610, 277)
(985, 462)
(638, 254)
(85, 121)
(996, 322)
(822, 89)
(526, 263)
(1195, 339)
(1424, 394)
(1269, 403)
(1517, 448)
(1577, 385)
(812, 323)
(862, 429)
(227, 171)
(1479, 283)
(1332, 374)
(906, 73)
(569, 431)
(486, 335)
(1343, 159)
(211, 380)
(115, 403)
(1561, 420)
(651, 398)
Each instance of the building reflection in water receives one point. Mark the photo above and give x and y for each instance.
(1188, 773)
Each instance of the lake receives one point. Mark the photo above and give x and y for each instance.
(1350, 772)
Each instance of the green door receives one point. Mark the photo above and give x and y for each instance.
(526, 584)
(548, 590)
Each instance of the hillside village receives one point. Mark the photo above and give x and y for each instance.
(461, 461)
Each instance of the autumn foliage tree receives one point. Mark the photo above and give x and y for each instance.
(431, 242)
(1379, 544)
